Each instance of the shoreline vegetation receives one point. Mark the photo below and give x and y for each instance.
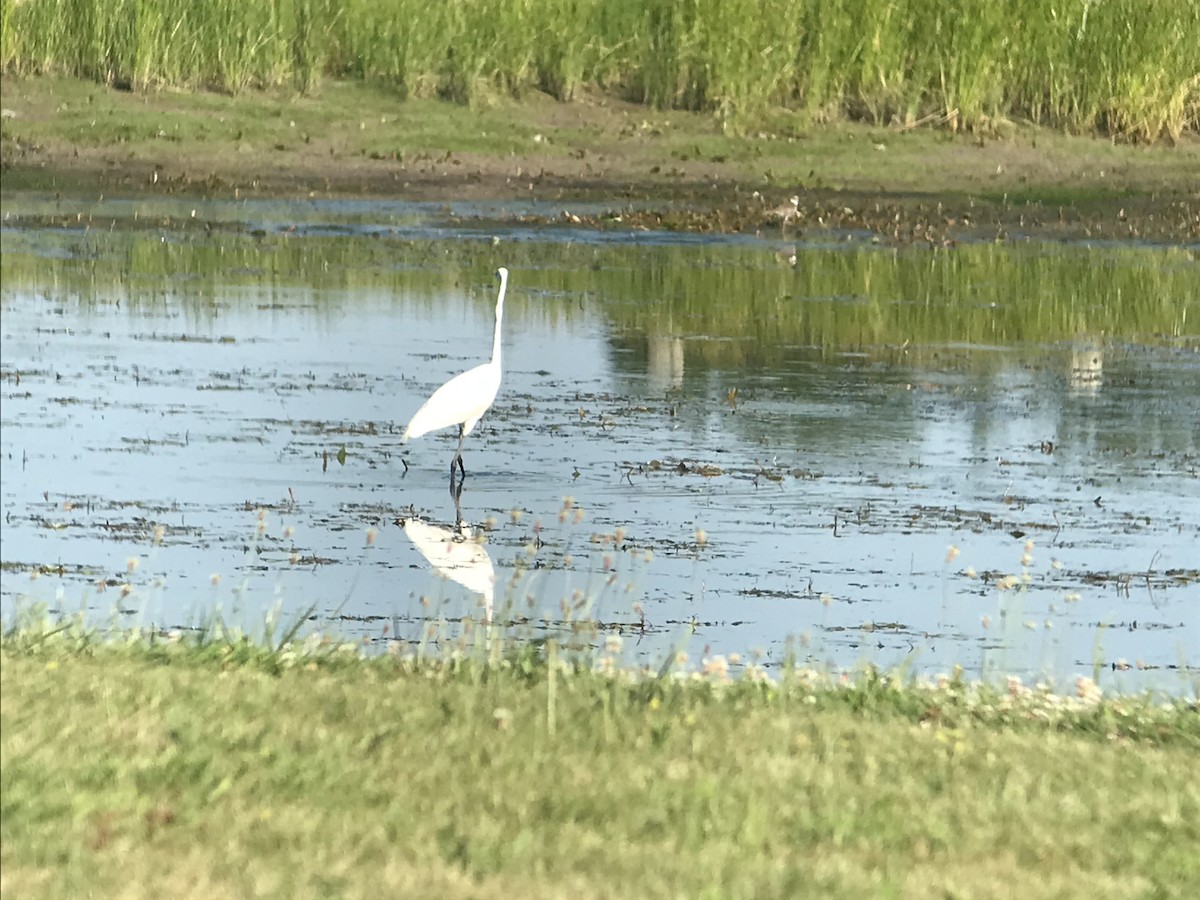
(207, 763)
(909, 119)
(1128, 68)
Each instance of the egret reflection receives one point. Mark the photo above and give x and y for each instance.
(664, 361)
(454, 553)
(1087, 370)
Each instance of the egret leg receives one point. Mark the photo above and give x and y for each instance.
(458, 455)
(456, 489)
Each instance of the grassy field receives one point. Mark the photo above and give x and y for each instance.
(1122, 67)
(215, 768)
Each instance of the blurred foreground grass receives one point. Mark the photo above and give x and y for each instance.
(217, 768)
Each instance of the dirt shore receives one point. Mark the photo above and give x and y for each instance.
(646, 168)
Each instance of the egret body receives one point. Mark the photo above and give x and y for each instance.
(463, 399)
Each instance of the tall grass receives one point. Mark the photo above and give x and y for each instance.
(1128, 67)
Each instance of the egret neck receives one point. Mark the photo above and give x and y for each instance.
(499, 314)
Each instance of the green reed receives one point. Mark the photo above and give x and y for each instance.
(1122, 66)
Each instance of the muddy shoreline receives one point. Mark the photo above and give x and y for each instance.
(936, 219)
(645, 170)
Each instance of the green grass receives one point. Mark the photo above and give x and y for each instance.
(369, 118)
(215, 767)
(354, 137)
(1122, 66)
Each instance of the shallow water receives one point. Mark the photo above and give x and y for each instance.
(842, 458)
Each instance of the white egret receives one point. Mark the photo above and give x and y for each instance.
(463, 399)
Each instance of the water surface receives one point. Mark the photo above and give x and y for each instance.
(987, 455)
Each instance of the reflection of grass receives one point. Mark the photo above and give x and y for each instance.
(210, 767)
(863, 300)
(866, 299)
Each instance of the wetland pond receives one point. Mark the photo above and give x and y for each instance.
(806, 447)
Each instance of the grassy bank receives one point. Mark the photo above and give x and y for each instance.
(657, 170)
(214, 768)
(1122, 66)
